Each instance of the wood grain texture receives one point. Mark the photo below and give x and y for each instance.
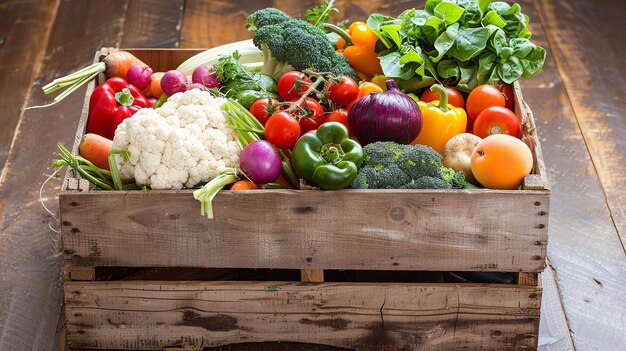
(23, 37)
(153, 24)
(393, 230)
(312, 275)
(210, 23)
(30, 266)
(554, 333)
(583, 247)
(595, 85)
(192, 315)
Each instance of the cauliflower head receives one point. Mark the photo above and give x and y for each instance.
(183, 143)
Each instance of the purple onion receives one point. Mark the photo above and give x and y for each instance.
(204, 75)
(386, 116)
(173, 82)
(139, 76)
(260, 162)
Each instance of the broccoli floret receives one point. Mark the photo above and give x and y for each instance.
(388, 165)
(289, 43)
(264, 17)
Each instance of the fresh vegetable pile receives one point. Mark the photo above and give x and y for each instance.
(306, 104)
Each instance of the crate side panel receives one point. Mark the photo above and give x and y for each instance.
(192, 315)
(386, 230)
(163, 60)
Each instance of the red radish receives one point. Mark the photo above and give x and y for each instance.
(96, 149)
(139, 76)
(204, 75)
(173, 82)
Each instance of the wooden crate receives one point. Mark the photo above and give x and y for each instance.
(141, 269)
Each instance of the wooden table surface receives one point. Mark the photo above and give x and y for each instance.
(577, 100)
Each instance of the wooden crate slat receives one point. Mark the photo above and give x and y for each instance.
(386, 230)
(153, 315)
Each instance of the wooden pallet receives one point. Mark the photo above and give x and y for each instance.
(359, 269)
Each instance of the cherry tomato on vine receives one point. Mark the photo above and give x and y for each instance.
(287, 81)
(339, 115)
(454, 97)
(313, 121)
(507, 92)
(344, 92)
(496, 120)
(282, 130)
(259, 109)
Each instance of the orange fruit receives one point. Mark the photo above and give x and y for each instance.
(501, 161)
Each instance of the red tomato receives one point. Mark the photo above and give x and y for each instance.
(344, 92)
(454, 97)
(287, 82)
(282, 130)
(259, 109)
(339, 115)
(496, 120)
(480, 98)
(315, 120)
(507, 92)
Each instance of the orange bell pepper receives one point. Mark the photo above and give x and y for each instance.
(365, 88)
(361, 54)
(440, 121)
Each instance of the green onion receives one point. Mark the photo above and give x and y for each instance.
(206, 194)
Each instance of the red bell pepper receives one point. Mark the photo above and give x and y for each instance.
(111, 103)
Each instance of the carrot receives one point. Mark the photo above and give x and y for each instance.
(115, 64)
(154, 89)
(243, 185)
(96, 149)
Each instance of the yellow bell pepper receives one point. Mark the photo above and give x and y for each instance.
(381, 80)
(361, 54)
(440, 121)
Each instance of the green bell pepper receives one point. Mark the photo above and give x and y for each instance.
(328, 158)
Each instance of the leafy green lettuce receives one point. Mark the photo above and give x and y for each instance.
(463, 43)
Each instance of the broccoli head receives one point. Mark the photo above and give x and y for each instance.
(289, 43)
(388, 165)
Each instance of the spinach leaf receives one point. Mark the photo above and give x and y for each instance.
(445, 41)
(486, 63)
(448, 12)
(430, 5)
(392, 67)
(533, 62)
(469, 42)
(462, 42)
(433, 28)
(374, 22)
(472, 15)
(492, 17)
(392, 31)
(510, 70)
(449, 70)
(468, 80)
